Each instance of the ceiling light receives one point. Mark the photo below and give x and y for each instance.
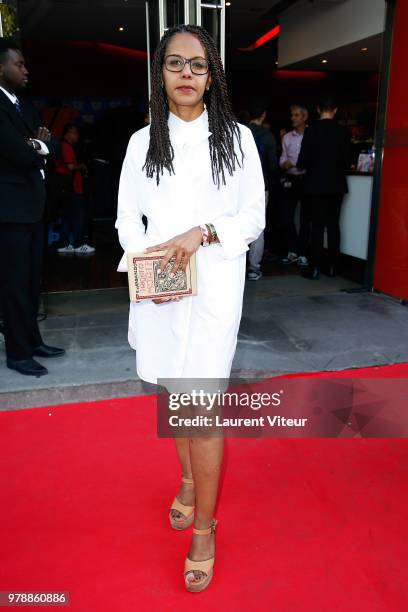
(228, 4)
(364, 49)
(324, 61)
(121, 28)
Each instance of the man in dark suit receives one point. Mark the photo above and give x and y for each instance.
(23, 150)
(325, 157)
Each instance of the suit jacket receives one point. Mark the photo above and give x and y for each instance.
(325, 157)
(22, 188)
(267, 149)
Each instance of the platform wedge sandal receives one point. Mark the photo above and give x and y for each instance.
(186, 511)
(206, 566)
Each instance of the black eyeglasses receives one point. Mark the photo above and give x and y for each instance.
(176, 63)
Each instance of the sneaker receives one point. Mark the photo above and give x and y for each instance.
(254, 275)
(302, 262)
(311, 273)
(84, 249)
(66, 249)
(290, 259)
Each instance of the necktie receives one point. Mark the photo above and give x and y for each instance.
(17, 105)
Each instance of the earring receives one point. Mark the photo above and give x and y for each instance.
(207, 88)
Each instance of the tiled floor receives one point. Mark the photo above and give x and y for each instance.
(289, 324)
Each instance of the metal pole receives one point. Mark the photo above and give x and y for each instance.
(217, 7)
(198, 12)
(186, 11)
(149, 78)
(222, 33)
(379, 139)
(161, 18)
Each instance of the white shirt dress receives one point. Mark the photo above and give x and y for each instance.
(195, 337)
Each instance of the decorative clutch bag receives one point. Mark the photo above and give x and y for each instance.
(146, 282)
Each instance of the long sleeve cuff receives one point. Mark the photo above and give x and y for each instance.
(44, 149)
(123, 265)
(230, 238)
(136, 243)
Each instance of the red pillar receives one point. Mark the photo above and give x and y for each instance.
(391, 251)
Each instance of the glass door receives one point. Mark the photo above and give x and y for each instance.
(8, 19)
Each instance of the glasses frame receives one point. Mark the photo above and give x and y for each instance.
(187, 61)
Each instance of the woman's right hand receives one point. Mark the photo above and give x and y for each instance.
(180, 247)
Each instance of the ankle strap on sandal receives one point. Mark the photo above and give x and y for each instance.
(210, 529)
(187, 480)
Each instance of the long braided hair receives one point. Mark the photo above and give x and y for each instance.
(221, 121)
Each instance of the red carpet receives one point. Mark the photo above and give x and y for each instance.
(304, 525)
(397, 370)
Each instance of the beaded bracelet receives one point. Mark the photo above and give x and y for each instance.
(205, 235)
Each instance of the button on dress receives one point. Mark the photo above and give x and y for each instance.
(195, 337)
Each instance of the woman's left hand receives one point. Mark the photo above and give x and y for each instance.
(181, 247)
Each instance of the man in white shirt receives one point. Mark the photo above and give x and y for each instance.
(24, 145)
(292, 191)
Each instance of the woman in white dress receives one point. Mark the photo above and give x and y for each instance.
(195, 174)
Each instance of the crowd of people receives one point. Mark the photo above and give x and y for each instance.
(306, 169)
(40, 171)
(304, 172)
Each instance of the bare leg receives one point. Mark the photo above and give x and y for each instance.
(206, 459)
(186, 491)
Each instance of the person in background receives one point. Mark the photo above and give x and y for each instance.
(24, 146)
(56, 115)
(114, 129)
(73, 213)
(85, 154)
(282, 133)
(243, 117)
(292, 191)
(266, 145)
(325, 157)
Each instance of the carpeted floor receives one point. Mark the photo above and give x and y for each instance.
(304, 525)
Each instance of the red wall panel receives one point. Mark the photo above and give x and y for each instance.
(391, 255)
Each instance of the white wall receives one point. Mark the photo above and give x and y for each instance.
(354, 217)
(310, 29)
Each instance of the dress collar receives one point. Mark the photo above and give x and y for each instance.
(189, 132)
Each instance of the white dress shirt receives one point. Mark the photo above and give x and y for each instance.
(291, 145)
(197, 336)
